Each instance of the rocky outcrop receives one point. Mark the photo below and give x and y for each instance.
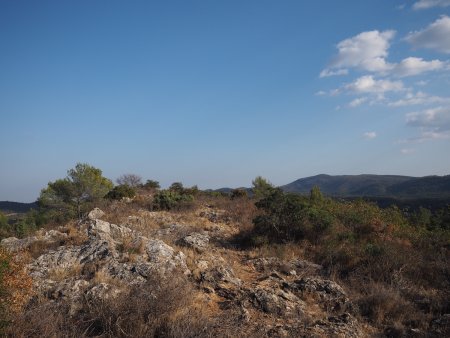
(197, 241)
(277, 297)
(95, 213)
(328, 293)
(71, 270)
(48, 238)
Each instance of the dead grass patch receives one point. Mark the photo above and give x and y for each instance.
(62, 273)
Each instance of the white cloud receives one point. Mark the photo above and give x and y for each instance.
(436, 118)
(370, 135)
(367, 84)
(414, 66)
(425, 4)
(432, 123)
(357, 102)
(419, 98)
(436, 36)
(321, 93)
(367, 51)
(407, 151)
(329, 72)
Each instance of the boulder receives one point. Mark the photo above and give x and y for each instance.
(196, 240)
(163, 258)
(330, 294)
(276, 301)
(95, 213)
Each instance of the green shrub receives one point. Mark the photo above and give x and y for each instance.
(238, 193)
(151, 184)
(261, 187)
(284, 217)
(121, 191)
(168, 200)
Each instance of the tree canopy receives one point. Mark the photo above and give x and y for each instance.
(84, 184)
(262, 187)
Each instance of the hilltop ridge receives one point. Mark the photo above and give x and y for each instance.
(367, 185)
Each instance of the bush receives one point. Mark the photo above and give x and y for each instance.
(284, 216)
(261, 187)
(121, 191)
(238, 193)
(151, 184)
(168, 200)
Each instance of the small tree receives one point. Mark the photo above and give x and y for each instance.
(315, 195)
(262, 187)
(83, 184)
(131, 180)
(151, 184)
(177, 187)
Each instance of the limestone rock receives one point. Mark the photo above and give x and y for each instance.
(196, 240)
(95, 213)
(277, 301)
(50, 237)
(102, 291)
(162, 257)
(330, 294)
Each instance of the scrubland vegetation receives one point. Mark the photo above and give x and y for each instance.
(393, 264)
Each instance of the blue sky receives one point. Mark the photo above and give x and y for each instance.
(215, 93)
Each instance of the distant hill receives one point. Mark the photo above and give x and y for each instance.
(16, 207)
(374, 186)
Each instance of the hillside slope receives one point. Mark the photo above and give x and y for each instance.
(374, 186)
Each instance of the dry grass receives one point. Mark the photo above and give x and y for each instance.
(60, 274)
(40, 247)
(160, 308)
(75, 235)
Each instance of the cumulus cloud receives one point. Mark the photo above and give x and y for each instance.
(367, 84)
(419, 98)
(369, 135)
(329, 72)
(436, 118)
(415, 66)
(436, 36)
(367, 51)
(357, 102)
(432, 123)
(425, 4)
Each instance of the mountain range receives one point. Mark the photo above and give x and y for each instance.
(405, 187)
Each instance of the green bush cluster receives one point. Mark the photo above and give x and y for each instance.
(238, 193)
(22, 225)
(170, 199)
(288, 216)
(121, 191)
